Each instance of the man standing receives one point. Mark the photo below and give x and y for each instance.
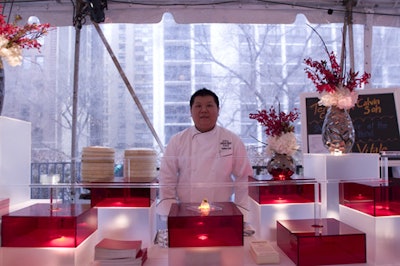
(204, 161)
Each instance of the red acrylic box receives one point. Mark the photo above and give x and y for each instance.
(376, 198)
(122, 196)
(328, 241)
(188, 227)
(277, 192)
(38, 225)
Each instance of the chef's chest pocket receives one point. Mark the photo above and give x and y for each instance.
(224, 162)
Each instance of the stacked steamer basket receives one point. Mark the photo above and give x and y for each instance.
(97, 164)
(140, 165)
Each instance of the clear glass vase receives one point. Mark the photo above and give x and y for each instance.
(338, 131)
(281, 166)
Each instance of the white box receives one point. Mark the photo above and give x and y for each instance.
(383, 241)
(263, 253)
(15, 159)
(263, 217)
(200, 256)
(81, 255)
(128, 223)
(329, 170)
(349, 166)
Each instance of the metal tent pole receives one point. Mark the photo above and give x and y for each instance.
(347, 30)
(74, 140)
(128, 85)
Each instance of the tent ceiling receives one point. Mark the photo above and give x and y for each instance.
(60, 12)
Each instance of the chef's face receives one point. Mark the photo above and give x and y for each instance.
(204, 113)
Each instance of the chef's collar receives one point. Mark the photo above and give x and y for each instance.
(195, 131)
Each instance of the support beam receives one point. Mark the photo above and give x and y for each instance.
(347, 35)
(129, 86)
(78, 17)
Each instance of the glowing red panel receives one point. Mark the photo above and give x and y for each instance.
(40, 226)
(188, 227)
(376, 198)
(122, 197)
(273, 192)
(323, 242)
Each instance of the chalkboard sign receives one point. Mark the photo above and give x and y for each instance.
(375, 120)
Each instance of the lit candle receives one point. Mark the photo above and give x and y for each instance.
(204, 207)
(337, 152)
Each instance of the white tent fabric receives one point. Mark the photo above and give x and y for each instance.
(61, 12)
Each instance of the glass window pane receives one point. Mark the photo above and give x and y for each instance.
(249, 66)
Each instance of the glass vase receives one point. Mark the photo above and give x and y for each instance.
(338, 134)
(281, 166)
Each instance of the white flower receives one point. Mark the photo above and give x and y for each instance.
(3, 41)
(342, 98)
(13, 54)
(284, 144)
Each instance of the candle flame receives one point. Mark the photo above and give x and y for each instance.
(204, 207)
(337, 152)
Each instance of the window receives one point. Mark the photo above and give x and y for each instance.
(249, 66)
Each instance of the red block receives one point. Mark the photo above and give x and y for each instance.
(122, 197)
(326, 242)
(38, 226)
(376, 198)
(187, 227)
(277, 192)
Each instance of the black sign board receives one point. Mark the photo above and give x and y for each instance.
(375, 120)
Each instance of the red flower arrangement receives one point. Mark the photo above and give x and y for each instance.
(276, 123)
(279, 128)
(14, 38)
(335, 87)
(330, 79)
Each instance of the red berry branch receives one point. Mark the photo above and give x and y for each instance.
(276, 123)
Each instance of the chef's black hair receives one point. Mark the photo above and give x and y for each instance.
(204, 92)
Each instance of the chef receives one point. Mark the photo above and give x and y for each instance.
(205, 161)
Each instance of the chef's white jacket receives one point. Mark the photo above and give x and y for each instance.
(211, 165)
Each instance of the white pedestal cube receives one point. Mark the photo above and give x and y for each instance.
(128, 223)
(329, 170)
(349, 166)
(81, 255)
(200, 256)
(15, 159)
(263, 217)
(382, 240)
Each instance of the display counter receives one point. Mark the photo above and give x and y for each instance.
(142, 222)
(115, 219)
(128, 211)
